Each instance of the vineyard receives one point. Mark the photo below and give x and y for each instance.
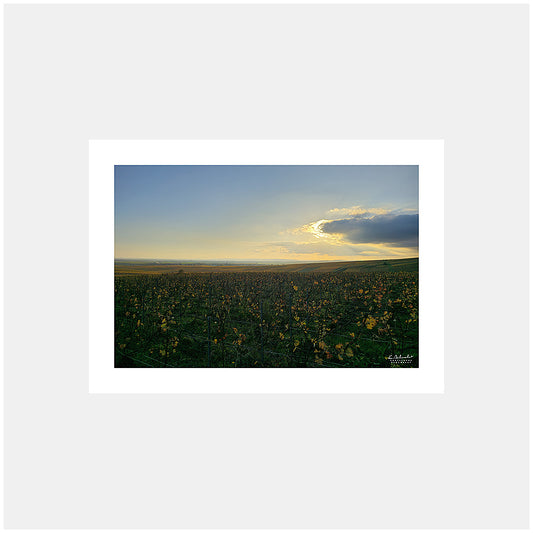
(267, 319)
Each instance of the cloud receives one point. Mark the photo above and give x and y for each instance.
(325, 250)
(315, 229)
(304, 247)
(396, 230)
(357, 210)
(354, 233)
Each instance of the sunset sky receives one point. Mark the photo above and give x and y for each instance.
(262, 213)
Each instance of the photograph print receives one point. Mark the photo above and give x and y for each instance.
(248, 266)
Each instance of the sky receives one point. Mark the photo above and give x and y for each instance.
(262, 213)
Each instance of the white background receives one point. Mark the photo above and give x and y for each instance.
(74, 73)
(104, 378)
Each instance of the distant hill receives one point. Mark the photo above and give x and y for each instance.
(373, 265)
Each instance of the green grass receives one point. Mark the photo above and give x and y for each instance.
(355, 316)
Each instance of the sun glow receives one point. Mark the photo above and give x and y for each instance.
(315, 228)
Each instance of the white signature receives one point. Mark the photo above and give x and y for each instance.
(400, 359)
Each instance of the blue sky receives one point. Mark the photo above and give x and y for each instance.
(283, 213)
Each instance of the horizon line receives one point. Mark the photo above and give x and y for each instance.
(263, 260)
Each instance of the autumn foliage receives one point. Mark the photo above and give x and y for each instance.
(266, 319)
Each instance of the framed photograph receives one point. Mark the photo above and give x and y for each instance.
(241, 291)
(266, 266)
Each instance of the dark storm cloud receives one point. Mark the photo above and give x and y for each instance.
(391, 229)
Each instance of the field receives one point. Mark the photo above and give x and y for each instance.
(124, 267)
(359, 314)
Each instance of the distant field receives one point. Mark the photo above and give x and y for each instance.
(390, 265)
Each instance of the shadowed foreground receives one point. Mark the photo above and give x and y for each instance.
(356, 315)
